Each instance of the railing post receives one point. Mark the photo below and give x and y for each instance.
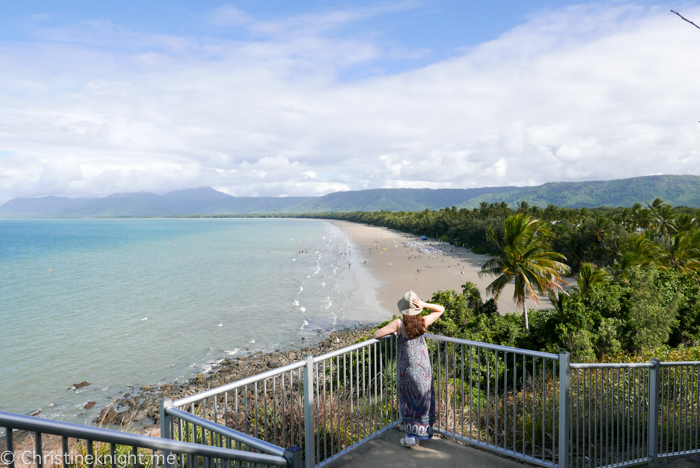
(293, 456)
(166, 429)
(309, 412)
(653, 442)
(9, 447)
(564, 413)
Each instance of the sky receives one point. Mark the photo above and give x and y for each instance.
(304, 98)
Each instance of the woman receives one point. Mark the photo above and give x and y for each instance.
(415, 374)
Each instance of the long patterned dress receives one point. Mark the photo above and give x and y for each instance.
(415, 387)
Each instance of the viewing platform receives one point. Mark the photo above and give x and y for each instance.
(495, 406)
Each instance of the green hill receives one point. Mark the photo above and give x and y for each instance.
(402, 199)
(676, 190)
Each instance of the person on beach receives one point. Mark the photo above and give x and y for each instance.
(415, 373)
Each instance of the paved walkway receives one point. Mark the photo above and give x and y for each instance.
(386, 451)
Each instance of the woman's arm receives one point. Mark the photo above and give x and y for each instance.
(437, 311)
(391, 327)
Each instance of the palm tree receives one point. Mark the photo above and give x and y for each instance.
(523, 206)
(686, 223)
(664, 219)
(524, 257)
(600, 227)
(591, 276)
(683, 254)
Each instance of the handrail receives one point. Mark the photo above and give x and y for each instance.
(238, 383)
(507, 349)
(227, 432)
(679, 363)
(611, 365)
(347, 349)
(29, 423)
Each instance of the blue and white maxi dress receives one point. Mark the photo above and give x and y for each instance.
(415, 387)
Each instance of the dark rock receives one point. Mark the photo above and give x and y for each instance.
(80, 385)
(89, 404)
(145, 404)
(108, 415)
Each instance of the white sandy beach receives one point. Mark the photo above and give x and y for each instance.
(388, 274)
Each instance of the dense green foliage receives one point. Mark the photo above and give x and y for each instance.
(638, 285)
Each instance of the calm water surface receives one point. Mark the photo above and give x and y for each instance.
(135, 302)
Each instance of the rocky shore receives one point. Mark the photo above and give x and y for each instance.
(140, 408)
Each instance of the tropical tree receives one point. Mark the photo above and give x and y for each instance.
(591, 276)
(686, 223)
(524, 256)
(683, 254)
(664, 221)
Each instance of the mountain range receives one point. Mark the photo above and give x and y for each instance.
(673, 189)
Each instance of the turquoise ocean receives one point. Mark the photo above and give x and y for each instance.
(121, 303)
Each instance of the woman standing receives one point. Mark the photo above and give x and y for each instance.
(415, 374)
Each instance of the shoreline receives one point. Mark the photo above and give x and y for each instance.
(384, 263)
(391, 262)
(140, 410)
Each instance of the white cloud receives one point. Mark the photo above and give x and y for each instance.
(582, 93)
(228, 15)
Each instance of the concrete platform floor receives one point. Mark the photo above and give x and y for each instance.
(386, 451)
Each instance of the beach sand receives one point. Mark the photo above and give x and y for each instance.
(388, 274)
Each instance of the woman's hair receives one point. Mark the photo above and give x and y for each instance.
(415, 325)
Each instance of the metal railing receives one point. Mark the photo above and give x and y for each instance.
(533, 406)
(500, 398)
(628, 414)
(612, 414)
(679, 408)
(52, 443)
(352, 398)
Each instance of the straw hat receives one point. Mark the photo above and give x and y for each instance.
(406, 304)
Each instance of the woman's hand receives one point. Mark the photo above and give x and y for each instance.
(424, 305)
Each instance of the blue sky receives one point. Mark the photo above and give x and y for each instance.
(304, 98)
